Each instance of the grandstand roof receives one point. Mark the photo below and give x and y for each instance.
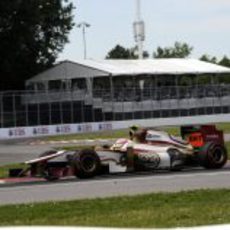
(112, 67)
(155, 66)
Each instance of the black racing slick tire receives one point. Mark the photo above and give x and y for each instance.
(86, 164)
(213, 156)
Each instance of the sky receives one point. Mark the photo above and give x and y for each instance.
(203, 24)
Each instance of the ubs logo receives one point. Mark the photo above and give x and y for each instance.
(84, 128)
(40, 130)
(18, 132)
(107, 126)
(63, 129)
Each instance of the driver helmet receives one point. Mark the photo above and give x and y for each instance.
(137, 134)
(132, 130)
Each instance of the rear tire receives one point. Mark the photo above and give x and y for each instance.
(213, 156)
(86, 164)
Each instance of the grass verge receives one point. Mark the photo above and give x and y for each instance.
(204, 207)
(174, 130)
(93, 135)
(110, 134)
(4, 170)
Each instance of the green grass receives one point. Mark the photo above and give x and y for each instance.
(205, 207)
(76, 147)
(224, 126)
(111, 134)
(4, 170)
(93, 135)
(174, 130)
(227, 144)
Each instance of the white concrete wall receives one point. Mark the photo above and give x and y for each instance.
(64, 129)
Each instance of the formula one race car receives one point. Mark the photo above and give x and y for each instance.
(146, 150)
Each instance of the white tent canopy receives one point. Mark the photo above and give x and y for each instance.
(109, 67)
(155, 66)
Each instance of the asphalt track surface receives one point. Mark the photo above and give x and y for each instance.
(18, 151)
(104, 186)
(114, 185)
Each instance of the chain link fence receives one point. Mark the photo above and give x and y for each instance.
(30, 108)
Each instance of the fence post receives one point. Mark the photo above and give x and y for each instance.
(14, 111)
(103, 98)
(49, 107)
(82, 109)
(38, 112)
(71, 107)
(2, 110)
(61, 110)
(26, 109)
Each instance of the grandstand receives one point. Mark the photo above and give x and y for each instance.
(106, 90)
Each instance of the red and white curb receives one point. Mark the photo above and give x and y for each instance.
(18, 180)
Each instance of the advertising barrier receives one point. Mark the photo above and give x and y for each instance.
(65, 129)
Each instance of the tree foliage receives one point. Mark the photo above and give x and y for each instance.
(225, 61)
(207, 58)
(120, 52)
(32, 33)
(179, 50)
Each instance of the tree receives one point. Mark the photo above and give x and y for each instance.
(207, 58)
(119, 52)
(225, 61)
(179, 50)
(32, 33)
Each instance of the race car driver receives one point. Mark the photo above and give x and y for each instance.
(137, 134)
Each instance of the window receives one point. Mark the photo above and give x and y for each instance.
(79, 84)
(30, 86)
(101, 87)
(55, 85)
(40, 86)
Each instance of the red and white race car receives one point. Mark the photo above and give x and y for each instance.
(147, 149)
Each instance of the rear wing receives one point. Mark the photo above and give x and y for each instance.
(199, 135)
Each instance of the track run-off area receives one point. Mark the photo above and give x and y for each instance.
(114, 185)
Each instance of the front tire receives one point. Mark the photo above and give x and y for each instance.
(86, 164)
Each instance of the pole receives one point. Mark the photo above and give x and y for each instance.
(140, 49)
(138, 5)
(84, 25)
(139, 41)
(139, 33)
(84, 41)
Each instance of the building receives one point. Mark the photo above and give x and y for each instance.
(106, 90)
(110, 74)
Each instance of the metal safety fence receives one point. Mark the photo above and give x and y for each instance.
(31, 108)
